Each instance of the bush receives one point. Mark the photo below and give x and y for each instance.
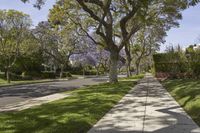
(28, 75)
(91, 72)
(195, 64)
(48, 75)
(25, 76)
(68, 74)
(177, 65)
(2, 76)
(15, 77)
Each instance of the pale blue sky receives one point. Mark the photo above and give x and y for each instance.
(36, 15)
(186, 34)
(189, 30)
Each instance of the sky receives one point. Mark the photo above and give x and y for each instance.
(35, 14)
(187, 33)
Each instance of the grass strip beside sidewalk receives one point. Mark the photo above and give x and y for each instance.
(187, 94)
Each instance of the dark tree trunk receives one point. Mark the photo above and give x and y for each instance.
(128, 60)
(113, 74)
(128, 68)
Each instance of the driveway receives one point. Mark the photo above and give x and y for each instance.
(20, 93)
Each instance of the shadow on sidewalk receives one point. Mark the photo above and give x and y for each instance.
(146, 109)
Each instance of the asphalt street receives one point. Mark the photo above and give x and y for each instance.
(20, 93)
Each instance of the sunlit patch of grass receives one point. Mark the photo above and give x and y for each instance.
(2, 81)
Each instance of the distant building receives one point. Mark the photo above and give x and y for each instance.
(196, 46)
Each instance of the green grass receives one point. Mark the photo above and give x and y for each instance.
(187, 93)
(2, 81)
(74, 114)
(133, 77)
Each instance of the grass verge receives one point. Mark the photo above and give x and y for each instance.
(187, 94)
(74, 114)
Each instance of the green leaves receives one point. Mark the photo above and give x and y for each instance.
(14, 26)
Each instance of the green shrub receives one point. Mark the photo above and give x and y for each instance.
(195, 63)
(25, 76)
(2, 76)
(15, 77)
(179, 67)
(31, 74)
(177, 64)
(68, 74)
(48, 75)
(90, 72)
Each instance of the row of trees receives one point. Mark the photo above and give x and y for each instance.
(135, 28)
(115, 23)
(27, 51)
(14, 27)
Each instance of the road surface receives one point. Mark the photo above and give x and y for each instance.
(20, 93)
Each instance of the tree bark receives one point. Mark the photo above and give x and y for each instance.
(138, 68)
(97, 69)
(83, 72)
(8, 75)
(61, 71)
(128, 67)
(114, 57)
(128, 60)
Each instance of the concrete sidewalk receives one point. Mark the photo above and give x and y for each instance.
(148, 108)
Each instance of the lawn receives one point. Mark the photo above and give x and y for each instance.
(187, 93)
(74, 114)
(2, 81)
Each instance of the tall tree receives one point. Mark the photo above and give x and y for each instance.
(116, 21)
(59, 43)
(14, 26)
(146, 43)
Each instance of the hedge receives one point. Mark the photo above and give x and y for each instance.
(177, 64)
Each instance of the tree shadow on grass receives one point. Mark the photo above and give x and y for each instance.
(187, 93)
(75, 114)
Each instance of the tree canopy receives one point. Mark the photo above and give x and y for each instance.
(14, 27)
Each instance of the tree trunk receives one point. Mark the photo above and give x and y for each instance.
(128, 67)
(138, 67)
(114, 57)
(8, 75)
(61, 71)
(97, 69)
(128, 60)
(83, 72)
(5, 74)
